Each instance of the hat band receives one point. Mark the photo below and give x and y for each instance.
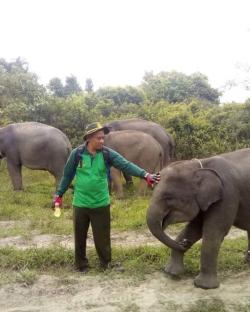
(94, 130)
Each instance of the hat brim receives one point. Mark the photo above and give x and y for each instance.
(104, 129)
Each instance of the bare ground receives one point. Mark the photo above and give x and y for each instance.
(119, 238)
(114, 292)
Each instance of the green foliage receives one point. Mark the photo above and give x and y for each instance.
(120, 95)
(56, 87)
(59, 90)
(201, 89)
(18, 83)
(20, 91)
(201, 129)
(69, 115)
(186, 106)
(71, 86)
(177, 87)
(89, 85)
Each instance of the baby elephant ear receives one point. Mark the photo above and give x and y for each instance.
(209, 187)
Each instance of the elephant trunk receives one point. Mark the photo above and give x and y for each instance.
(155, 225)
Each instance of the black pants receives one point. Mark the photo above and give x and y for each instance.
(99, 218)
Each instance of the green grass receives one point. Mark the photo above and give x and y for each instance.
(137, 261)
(32, 207)
(210, 305)
(129, 214)
(217, 305)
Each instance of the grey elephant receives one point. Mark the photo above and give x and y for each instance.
(35, 146)
(155, 130)
(137, 147)
(210, 194)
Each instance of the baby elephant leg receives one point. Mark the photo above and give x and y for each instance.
(188, 236)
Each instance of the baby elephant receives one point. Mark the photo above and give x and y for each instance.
(210, 194)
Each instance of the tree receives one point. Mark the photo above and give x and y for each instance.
(19, 88)
(16, 82)
(201, 89)
(71, 86)
(120, 96)
(177, 87)
(89, 85)
(56, 87)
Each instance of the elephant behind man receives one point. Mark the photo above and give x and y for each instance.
(211, 195)
(137, 147)
(35, 146)
(151, 128)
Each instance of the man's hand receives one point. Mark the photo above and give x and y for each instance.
(56, 200)
(151, 179)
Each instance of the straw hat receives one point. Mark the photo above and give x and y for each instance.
(94, 127)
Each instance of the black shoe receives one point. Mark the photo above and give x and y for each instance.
(112, 266)
(83, 270)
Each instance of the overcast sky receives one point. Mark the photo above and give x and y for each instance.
(114, 42)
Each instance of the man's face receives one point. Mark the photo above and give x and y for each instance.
(97, 140)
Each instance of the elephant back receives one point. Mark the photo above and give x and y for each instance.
(137, 147)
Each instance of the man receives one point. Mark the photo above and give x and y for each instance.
(91, 200)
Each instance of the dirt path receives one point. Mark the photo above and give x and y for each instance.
(156, 293)
(119, 238)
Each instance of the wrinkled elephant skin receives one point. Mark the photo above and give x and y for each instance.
(210, 194)
(35, 146)
(151, 128)
(137, 147)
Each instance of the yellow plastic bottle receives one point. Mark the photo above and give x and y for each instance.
(57, 212)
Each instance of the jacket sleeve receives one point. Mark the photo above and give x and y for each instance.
(121, 163)
(68, 174)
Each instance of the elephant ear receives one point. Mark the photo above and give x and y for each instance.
(209, 187)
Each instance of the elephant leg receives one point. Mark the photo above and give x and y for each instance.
(15, 172)
(188, 236)
(56, 168)
(211, 241)
(117, 182)
(248, 248)
(128, 179)
(57, 175)
(213, 232)
(207, 278)
(142, 188)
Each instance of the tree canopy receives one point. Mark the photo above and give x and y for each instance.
(177, 87)
(18, 84)
(120, 95)
(71, 86)
(186, 106)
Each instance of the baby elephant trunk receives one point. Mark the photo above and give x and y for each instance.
(155, 221)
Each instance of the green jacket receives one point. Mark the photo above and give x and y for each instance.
(91, 184)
